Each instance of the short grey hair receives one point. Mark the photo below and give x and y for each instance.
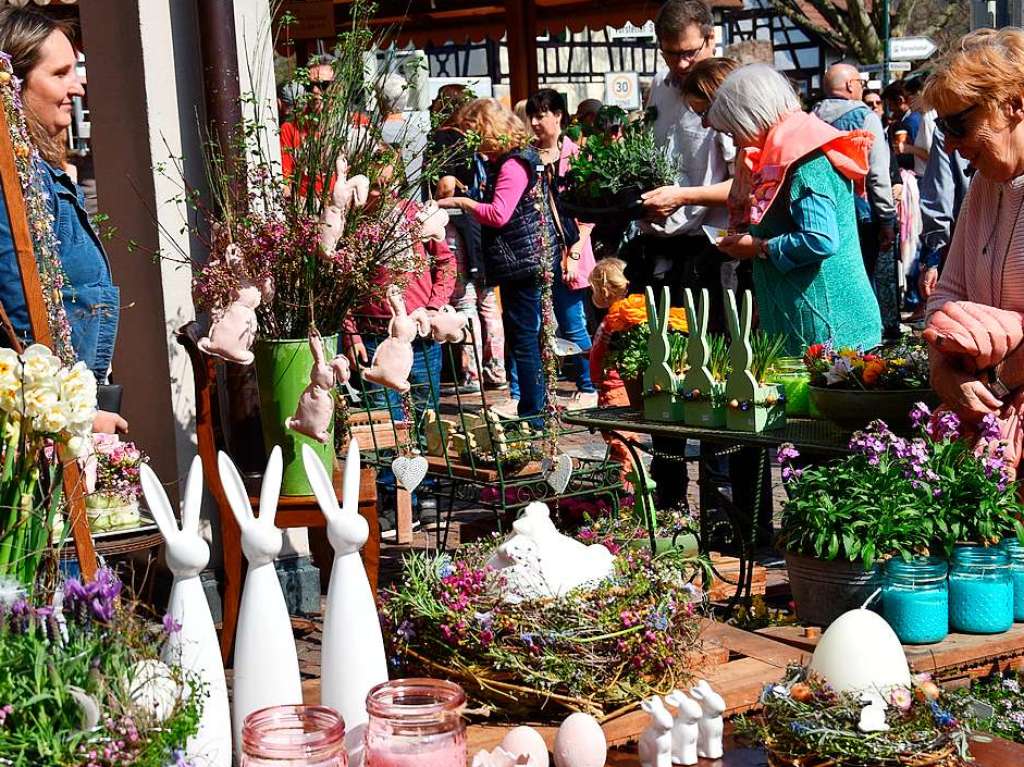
(393, 93)
(750, 101)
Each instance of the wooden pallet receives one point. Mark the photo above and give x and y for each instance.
(722, 588)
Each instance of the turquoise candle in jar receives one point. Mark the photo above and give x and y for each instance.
(980, 590)
(1016, 552)
(915, 599)
(795, 380)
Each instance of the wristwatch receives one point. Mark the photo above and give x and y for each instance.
(995, 384)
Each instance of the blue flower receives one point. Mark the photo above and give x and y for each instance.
(942, 717)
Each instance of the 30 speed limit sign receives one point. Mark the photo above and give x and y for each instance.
(622, 89)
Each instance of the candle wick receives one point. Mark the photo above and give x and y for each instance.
(871, 599)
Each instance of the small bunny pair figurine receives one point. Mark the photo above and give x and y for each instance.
(315, 409)
(656, 741)
(431, 221)
(685, 729)
(448, 326)
(233, 330)
(392, 361)
(193, 645)
(346, 194)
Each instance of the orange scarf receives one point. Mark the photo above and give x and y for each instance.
(762, 170)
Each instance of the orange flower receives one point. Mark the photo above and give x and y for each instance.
(626, 313)
(872, 370)
(677, 320)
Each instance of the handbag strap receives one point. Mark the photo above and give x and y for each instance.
(16, 343)
(553, 204)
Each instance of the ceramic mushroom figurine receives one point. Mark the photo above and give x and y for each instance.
(315, 409)
(233, 330)
(448, 326)
(710, 726)
(194, 645)
(347, 193)
(392, 361)
(266, 664)
(656, 740)
(352, 658)
(684, 729)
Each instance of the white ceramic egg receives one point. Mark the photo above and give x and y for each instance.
(859, 652)
(526, 740)
(499, 757)
(154, 690)
(580, 742)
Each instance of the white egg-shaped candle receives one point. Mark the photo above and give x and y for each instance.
(580, 742)
(526, 740)
(859, 652)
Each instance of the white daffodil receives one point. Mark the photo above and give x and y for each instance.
(39, 364)
(10, 379)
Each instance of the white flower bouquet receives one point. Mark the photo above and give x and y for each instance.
(43, 405)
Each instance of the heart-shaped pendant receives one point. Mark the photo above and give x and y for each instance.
(409, 472)
(558, 471)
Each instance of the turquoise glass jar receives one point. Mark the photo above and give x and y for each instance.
(915, 599)
(1016, 552)
(980, 590)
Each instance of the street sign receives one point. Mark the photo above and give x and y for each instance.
(622, 89)
(911, 48)
(894, 66)
(632, 32)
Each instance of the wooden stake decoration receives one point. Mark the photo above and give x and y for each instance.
(751, 406)
(74, 486)
(661, 399)
(705, 403)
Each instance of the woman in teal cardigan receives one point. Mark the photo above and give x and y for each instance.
(795, 185)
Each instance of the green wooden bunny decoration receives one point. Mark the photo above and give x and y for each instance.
(661, 399)
(704, 396)
(751, 406)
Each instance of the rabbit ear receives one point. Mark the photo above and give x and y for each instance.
(316, 345)
(193, 497)
(159, 505)
(320, 482)
(652, 312)
(696, 693)
(702, 319)
(234, 489)
(350, 482)
(645, 705)
(666, 304)
(731, 315)
(747, 313)
(270, 490)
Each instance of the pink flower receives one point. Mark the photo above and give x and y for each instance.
(900, 698)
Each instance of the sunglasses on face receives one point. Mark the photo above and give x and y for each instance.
(686, 55)
(319, 84)
(955, 125)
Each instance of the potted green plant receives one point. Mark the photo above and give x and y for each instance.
(851, 386)
(610, 173)
(891, 497)
(629, 333)
(112, 476)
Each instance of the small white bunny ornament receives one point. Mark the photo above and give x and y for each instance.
(194, 646)
(656, 740)
(266, 665)
(684, 730)
(710, 726)
(352, 652)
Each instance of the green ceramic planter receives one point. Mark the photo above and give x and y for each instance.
(282, 373)
(852, 409)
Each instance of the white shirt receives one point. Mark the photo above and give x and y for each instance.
(700, 156)
(924, 138)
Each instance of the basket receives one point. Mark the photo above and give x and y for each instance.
(944, 756)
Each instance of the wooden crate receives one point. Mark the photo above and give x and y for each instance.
(729, 568)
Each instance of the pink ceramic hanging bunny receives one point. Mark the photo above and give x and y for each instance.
(234, 329)
(447, 325)
(347, 193)
(393, 359)
(315, 409)
(431, 222)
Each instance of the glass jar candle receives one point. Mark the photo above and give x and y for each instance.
(980, 590)
(294, 736)
(1016, 552)
(915, 599)
(791, 373)
(415, 723)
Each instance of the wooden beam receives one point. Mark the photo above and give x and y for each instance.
(521, 37)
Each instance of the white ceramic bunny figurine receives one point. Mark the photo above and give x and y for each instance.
(266, 665)
(194, 645)
(710, 726)
(352, 652)
(315, 409)
(392, 362)
(656, 740)
(872, 716)
(233, 331)
(684, 728)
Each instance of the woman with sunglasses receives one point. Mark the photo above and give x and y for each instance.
(809, 275)
(974, 315)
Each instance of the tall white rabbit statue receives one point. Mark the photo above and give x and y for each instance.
(266, 666)
(352, 653)
(710, 726)
(656, 740)
(684, 729)
(194, 645)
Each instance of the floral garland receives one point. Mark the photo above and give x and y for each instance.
(547, 331)
(37, 208)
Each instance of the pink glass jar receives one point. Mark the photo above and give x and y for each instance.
(294, 736)
(416, 723)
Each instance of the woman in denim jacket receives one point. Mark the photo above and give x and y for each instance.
(44, 59)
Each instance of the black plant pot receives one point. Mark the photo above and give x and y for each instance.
(625, 205)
